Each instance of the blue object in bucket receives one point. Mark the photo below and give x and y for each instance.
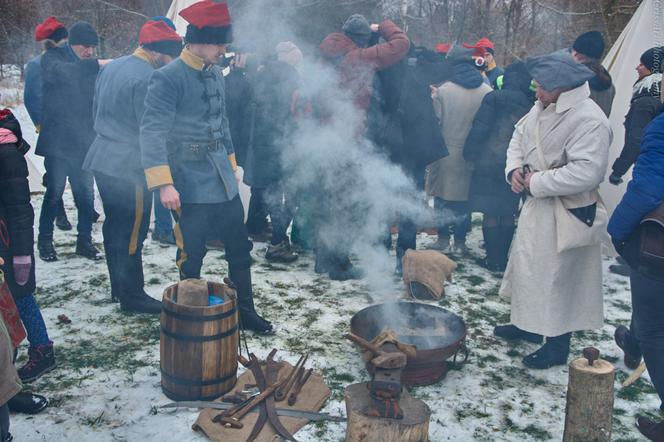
(215, 300)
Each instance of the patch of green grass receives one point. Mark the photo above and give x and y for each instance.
(634, 392)
(475, 280)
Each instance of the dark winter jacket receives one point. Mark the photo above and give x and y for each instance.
(414, 124)
(489, 138)
(645, 192)
(239, 110)
(357, 66)
(644, 107)
(67, 93)
(184, 136)
(118, 108)
(602, 90)
(16, 214)
(32, 92)
(493, 74)
(274, 89)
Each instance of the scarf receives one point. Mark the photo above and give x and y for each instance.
(649, 85)
(466, 75)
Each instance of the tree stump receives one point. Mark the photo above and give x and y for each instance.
(414, 427)
(589, 400)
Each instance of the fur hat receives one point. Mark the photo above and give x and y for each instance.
(82, 33)
(209, 23)
(590, 44)
(50, 29)
(156, 35)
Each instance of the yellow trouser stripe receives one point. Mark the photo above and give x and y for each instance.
(138, 219)
(179, 241)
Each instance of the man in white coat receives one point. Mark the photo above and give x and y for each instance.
(557, 158)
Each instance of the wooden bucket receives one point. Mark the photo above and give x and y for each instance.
(198, 346)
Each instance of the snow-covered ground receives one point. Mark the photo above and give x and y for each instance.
(106, 386)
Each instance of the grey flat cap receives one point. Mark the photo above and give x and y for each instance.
(558, 70)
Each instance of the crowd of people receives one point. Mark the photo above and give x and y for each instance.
(173, 121)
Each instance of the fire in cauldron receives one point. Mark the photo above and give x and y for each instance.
(436, 334)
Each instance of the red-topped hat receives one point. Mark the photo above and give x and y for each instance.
(209, 23)
(207, 13)
(156, 30)
(483, 45)
(443, 48)
(51, 29)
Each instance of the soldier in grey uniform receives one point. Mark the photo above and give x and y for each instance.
(188, 154)
(115, 160)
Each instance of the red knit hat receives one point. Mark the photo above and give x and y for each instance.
(443, 48)
(49, 29)
(483, 45)
(154, 31)
(207, 13)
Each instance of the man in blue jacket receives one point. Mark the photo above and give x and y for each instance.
(115, 160)
(50, 33)
(645, 193)
(188, 153)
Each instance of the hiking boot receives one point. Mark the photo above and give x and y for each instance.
(620, 269)
(512, 333)
(45, 247)
(554, 352)
(41, 360)
(140, 303)
(86, 249)
(62, 223)
(280, 253)
(164, 238)
(627, 344)
(650, 429)
(27, 403)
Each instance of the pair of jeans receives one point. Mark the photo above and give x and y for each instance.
(281, 207)
(648, 325)
(163, 222)
(82, 185)
(453, 216)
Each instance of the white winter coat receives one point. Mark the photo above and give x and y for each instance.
(554, 293)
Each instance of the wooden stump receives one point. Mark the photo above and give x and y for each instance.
(589, 401)
(414, 427)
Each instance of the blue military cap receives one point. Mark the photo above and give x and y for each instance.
(558, 70)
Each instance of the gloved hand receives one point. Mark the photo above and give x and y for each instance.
(615, 179)
(22, 266)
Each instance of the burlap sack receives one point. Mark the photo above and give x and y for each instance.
(425, 273)
(312, 397)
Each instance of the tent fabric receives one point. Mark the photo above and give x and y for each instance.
(176, 7)
(643, 31)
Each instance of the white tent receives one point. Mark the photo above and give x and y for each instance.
(177, 6)
(642, 32)
(35, 163)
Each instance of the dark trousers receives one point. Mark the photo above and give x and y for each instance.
(197, 222)
(453, 217)
(648, 323)
(127, 207)
(163, 222)
(281, 208)
(257, 213)
(82, 183)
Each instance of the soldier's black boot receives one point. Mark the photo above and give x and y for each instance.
(45, 246)
(61, 221)
(512, 333)
(86, 249)
(554, 352)
(249, 319)
(134, 297)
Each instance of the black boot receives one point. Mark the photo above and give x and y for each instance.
(45, 246)
(505, 243)
(512, 333)
(249, 319)
(86, 249)
(27, 403)
(114, 275)
(554, 352)
(629, 345)
(492, 246)
(140, 302)
(134, 298)
(61, 221)
(342, 269)
(652, 430)
(41, 360)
